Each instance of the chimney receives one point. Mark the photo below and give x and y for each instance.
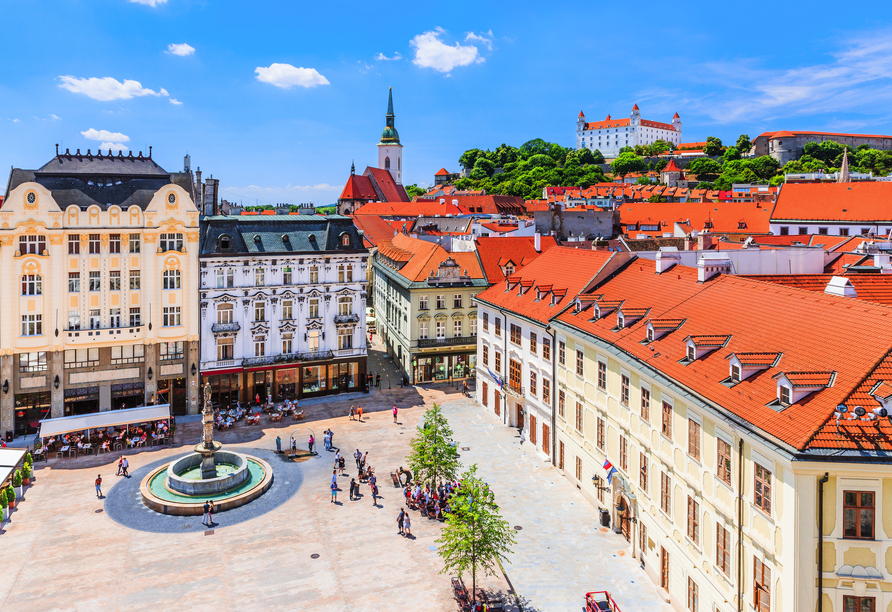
(455, 202)
(687, 242)
(841, 286)
(704, 241)
(666, 258)
(537, 242)
(711, 264)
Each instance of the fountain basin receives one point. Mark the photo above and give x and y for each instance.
(181, 474)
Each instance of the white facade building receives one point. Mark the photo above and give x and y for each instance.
(611, 135)
(282, 307)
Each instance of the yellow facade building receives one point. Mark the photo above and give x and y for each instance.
(99, 265)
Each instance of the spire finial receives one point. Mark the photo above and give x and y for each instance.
(390, 102)
(844, 176)
(352, 168)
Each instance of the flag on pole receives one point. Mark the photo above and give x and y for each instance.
(495, 377)
(608, 467)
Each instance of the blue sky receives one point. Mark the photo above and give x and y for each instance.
(277, 98)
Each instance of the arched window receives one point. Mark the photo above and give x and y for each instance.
(32, 284)
(387, 163)
(170, 279)
(345, 240)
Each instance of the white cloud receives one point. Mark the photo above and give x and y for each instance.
(181, 49)
(396, 56)
(431, 52)
(287, 76)
(152, 3)
(175, 102)
(484, 38)
(114, 146)
(107, 88)
(93, 134)
(55, 117)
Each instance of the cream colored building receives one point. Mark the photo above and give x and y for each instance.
(709, 421)
(99, 255)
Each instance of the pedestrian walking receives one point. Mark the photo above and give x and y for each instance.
(331, 440)
(211, 511)
(124, 465)
(359, 413)
(310, 442)
(206, 517)
(342, 466)
(399, 520)
(337, 459)
(374, 495)
(378, 379)
(358, 457)
(278, 444)
(352, 412)
(364, 458)
(353, 488)
(99, 486)
(334, 490)
(293, 446)
(120, 465)
(394, 413)
(407, 525)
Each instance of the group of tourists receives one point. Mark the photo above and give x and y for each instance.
(365, 473)
(432, 503)
(105, 438)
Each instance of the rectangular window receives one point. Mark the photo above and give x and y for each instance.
(498, 362)
(114, 281)
(95, 319)
(287, 310)
(172, 350)
(345, 338)
(456, 328)
(485, 316)
(579, 417)
(259, 277)
(32, 244)
(561, 455)
(135, 318)
(600, 439)
(602, 376)
(735, 373)
(134, 243)
(546, 390)
(224, 313)
(134, 279)
(723, 549)
(32, 325)
(314, 274)
(259, 311)
(457, 300)
(498, 324)
(562, 353)
(132, 353)
(225, 349)
(858, 514)
(32, 362)
(314, 308)
(642, 538)
(580, 363)
(260, 346)
(784, 230)
(724, 461)
(761, 586)
(441, 302)
(624, 453)
(642, 476)
(170, 242)
(32, 284)
(822, 231)
(484, 395)
(81, 358)
(693, 520)
(762, 497)
(114, 243)
(645, 404)
(624, 390)
(693, 595)
(345, 305)
(666, 426)
(441, 329)
(74, 319)
(533, 347)
(562, 399)
(95, 281)
(694, 439)
(473, 325)
(851, 603)
(514, 374)
(95, 244)
(486, 356)
(785, 395)
(515, 334)
(74, 244)
(171, 316)
(579, 469)
(114, 317)
(342, 273)
(286, 277)
(546, 349)
(665, 493)
(533, 384)
(664, 569)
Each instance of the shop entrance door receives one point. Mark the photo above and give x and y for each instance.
(518, 410)
(624, 523)
(497, 402)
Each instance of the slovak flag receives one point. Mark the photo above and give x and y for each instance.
(608, 467)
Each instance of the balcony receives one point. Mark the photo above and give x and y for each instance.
(220, 363)
(225, 327)
(350, 318)
(286, 358)
(513, 390)
(435, 342)
(350, 352)
(104, 334)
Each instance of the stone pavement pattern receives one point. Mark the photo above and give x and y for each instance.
(62, 552)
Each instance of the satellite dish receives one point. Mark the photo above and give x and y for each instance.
(842, 408)
(860, 411)
(880, 412)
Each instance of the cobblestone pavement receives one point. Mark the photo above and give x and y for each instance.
(561, 553)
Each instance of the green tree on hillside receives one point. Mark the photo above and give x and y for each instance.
(707, 169)
(628, 162)
(713, 146)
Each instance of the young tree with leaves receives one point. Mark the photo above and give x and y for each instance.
(434, 457)
(475, 536)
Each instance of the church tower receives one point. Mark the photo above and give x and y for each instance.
(390, 151)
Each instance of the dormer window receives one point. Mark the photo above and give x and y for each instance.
(345, 240)
(620, 322)
(794, 386)
(225, 243)
(785, 395)
(692, 353)
(735, 373)
(650, 335)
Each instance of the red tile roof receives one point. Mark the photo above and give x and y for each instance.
(671, 167)
(816, 333)
(865, 202)
(424, 257)
(875, 288)
(494, 252)
(566, 271)
(418, 208)
(607, 123)
(758, 360)
(788, 134)
(486, 204)
(374, 229)
(724, 216)
(442, 172)
(358, 188)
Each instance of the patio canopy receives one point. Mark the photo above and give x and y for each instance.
(6, 474)
(101, 420)
(11, 457)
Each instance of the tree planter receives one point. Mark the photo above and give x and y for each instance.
(26, 481)
(20, 492)
(12, 504)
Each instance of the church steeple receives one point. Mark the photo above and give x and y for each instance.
(390, 135)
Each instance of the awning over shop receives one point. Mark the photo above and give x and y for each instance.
(6, 474)
(11, 457)
(101, 420)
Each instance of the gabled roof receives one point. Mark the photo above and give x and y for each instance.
(374, 229)
(418, 208)
(385, 186)
(757, 360)
(725, 217)
(442, 172)
(864, 202)
(671, 167)
(358, 188)
(424, 257)
(788, 134)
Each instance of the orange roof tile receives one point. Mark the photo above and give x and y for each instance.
(865, 202)
(758, 360)
(875, 288)
(666, 323)
(374, 229)
(809, 379)
(521, 250)
(442, 172)
(425, 257)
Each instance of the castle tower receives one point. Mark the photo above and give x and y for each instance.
(635, 117)
(676, 123)
(390, 151)
(580, 129)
